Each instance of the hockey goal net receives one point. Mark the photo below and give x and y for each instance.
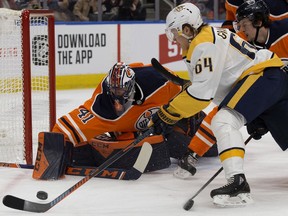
(27, 81)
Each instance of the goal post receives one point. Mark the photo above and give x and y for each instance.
(27, 81)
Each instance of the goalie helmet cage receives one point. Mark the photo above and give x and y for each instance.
(27, 81)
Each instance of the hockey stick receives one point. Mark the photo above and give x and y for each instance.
(133, 173)
(189, 203)
(169, 76)
(25, 205)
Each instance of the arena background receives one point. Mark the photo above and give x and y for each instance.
(86, 51)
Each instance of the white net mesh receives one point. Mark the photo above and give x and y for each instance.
(13, 123)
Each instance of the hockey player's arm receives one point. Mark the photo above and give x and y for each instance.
(182, 106)
(186, 105)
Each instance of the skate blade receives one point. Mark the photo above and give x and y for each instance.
(240, 200)
(181, 173)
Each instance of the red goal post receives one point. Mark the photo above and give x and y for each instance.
(27, 81)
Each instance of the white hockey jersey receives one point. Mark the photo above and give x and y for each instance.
(216, 60)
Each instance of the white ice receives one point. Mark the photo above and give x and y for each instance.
(157, 193)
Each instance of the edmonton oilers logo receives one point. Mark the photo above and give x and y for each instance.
(144, 118)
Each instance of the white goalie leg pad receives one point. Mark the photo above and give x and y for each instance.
(226, 126)
(240, 200)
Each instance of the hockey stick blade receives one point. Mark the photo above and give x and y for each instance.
(169, 76)
(25, 205)
(190, 202)
(143, 158)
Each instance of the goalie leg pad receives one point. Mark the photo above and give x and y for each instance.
(53, 155)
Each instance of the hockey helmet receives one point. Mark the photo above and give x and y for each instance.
(186, 13)
(121, 86)
(254, 10)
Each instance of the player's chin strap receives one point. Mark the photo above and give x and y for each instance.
(257, 33)
(257, 44)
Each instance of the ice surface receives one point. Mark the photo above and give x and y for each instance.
(157, 193)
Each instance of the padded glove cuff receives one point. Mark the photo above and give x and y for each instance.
(167, 117)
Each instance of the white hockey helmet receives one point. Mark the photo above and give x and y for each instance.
(186, 13)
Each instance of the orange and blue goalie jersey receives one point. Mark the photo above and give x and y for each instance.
(97, 115)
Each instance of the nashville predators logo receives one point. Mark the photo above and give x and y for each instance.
(144, 118)
(179, 8)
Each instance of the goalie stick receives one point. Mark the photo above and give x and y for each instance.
(169, 76)
(133, 173)
(25, 205)
(189, 203)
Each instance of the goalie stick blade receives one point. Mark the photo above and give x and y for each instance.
(20, 204)
(143, 158)
(140, 164)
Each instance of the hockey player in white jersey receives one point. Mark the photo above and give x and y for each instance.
(242, 81)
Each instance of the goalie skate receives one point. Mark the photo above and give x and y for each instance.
(186, 166)
(235, 193)
(181, 173)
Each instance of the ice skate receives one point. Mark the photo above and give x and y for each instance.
(235, 193)
(186, 166)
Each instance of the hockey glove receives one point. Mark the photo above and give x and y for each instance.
(257, 128)
(163, 121)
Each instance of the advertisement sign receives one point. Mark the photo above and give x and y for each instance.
(85, 48)
(94, 48)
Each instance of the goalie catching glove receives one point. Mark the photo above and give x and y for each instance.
(163, 121)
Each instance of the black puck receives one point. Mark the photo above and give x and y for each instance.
(42, 195)
(188, 205)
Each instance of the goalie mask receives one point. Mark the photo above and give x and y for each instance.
(121, 86)
(186, 13)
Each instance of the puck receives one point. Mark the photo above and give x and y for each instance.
(42, 195)
(188, 205)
